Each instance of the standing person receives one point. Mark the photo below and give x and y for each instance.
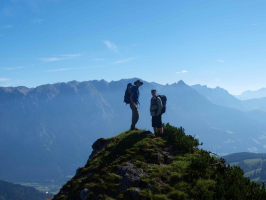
(134, 101)
(156, 112)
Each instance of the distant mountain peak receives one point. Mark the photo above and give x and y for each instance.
(252, 94)
(181, 82)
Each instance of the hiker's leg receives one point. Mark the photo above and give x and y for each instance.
(160, 124)
(135, 116)
(155, 130)
(131, 106)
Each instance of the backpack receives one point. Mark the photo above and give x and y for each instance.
(127, 93)
(164, 99)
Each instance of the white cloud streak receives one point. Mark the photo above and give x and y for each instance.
(99, 59)
(182, 72)
(111, 46)
(6, 11)
(71, 55)
(123, 61)
(37, 21)
(221, 61)
(7, 26)
(12, 68)
(52, 59)
(4, 79)
(59, 70)
(60, 57)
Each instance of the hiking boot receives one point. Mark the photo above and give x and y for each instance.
(132, 129)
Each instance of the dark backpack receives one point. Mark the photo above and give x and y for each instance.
(164, 99)
(127, 93)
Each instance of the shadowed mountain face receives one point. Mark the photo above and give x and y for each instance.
(258, 104)
(221, 97)
(47, 132)
(252, 94)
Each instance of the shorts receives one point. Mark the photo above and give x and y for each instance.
(157, 121)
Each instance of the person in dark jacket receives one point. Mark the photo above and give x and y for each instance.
(156, 112)
(134, 102)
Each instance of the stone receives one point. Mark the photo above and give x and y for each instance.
(130, 176)
(135, 193)
(78, 171)
(97, 146)
(84, 194)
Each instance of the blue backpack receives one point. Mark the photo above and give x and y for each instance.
(127, 93)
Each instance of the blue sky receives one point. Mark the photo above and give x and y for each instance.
(214, 43)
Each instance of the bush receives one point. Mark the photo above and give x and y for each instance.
(178, 139)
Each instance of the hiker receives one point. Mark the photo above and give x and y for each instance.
(134, 102)
(156, 112)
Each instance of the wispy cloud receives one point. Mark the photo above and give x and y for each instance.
(71, 55)
(217, 79)
(7, 26)
(99, 59)
(123, 61)
(52, 59)
(221, 61)
(6, 11)
(37, 21)
(12, 68)
(182, 72)
(111, 46)
(60, 57)
(210, 72)
(59, 70)
(4, 79)
(254, 24)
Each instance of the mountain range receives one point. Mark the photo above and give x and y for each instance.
(222, 97)
(47, 132)
(252, 94)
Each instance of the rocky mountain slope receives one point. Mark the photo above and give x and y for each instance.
(138, 165)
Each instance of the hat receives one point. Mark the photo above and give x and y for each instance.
(138, 81)
(153, 91)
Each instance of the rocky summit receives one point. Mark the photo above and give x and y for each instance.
(139, 165)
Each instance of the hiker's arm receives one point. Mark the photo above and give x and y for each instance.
(160, 105)
(131, 99)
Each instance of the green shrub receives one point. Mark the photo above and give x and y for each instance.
(180, 141)
(178, 195)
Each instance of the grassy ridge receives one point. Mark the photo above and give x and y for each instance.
(170, 168)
